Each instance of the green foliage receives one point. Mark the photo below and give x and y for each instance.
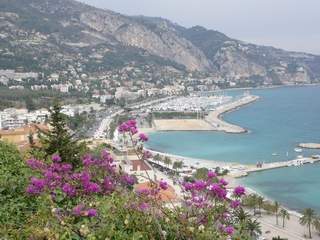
(15, 206)
(308, 218)
(174, 115)
(59, 140)
(201, 173)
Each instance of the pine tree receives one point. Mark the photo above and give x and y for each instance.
(58, 139)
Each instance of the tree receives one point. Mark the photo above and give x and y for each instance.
(285, 215)
(260, 201)
(251, 201)
(201, 173)
(308, 218)
(254, 227)
(177, 165)
(276, 209)
(157, 158)
(167, 161)
(59, 140)
(316, 224)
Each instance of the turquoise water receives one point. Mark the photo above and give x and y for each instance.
(282, 118)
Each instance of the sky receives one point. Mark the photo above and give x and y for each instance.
(288, 24)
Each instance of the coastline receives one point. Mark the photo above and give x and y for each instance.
(216, 117)
(293, 229)
(213, 122)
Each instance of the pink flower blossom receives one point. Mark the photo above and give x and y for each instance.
(239, 191)
(235, 204)
(223, 182)
(143, 137)
(229, 230)
(92, 212)
(56, 158)
(163, 185)
(212, 174)
(77, 210)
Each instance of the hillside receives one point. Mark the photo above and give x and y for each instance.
(47, 36)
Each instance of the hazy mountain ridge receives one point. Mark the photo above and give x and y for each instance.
(50, 33)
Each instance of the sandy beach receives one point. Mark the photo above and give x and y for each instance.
(182, 125)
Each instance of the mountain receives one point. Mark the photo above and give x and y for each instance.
(46, 35)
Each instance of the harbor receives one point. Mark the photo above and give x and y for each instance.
(209, 111)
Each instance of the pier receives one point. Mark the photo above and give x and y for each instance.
(274, 165)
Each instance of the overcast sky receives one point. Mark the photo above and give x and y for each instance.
(289, 24)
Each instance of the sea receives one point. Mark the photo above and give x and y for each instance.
(281, 119)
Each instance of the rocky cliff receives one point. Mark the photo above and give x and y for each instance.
(66, 29)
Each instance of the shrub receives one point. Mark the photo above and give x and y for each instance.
(97, 201)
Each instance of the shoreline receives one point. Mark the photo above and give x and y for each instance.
(216, 117)
(213, 122)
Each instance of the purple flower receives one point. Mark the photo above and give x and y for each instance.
(218, 191)
(229, 230)
(87, 160)
(239, 191)
(36, 186)
(132, 123)
(143, 137)
(129, 180)
(35, 164)
(56, 158)
(235, 204)
(108, 184)
(211, 174)
(187, 186)
(163, 185)
(133, 130)
(32, 190)
(199, 185)
(85, 177)
(91, 187)
(92, 212)
(69, 190)
(123, 128)
(66, 167)
(223, 182)
(144, 206)
(77, 210)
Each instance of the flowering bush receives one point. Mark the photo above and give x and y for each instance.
(97, 201)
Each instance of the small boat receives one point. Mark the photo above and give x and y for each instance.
(275, 154)
(298, 150)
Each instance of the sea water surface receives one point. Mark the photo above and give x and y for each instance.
(277, 122)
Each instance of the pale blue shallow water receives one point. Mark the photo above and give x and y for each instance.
(281, 119)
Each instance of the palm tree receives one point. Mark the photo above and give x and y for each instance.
(260, 201)
(157, 158)
(175, 166)
(308, 218)
(253, 226)
(251, 201)
(242, 216)
(276, 208)
(167, 161)
(285, 215)
(316, 224)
